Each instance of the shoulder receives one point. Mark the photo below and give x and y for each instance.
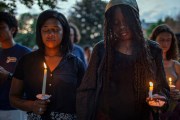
(154, 48)
(77, 47)
(99, 47)
(74, 59)
(23, 48)
(153, 44)
(32, 55)
(100, 44)
(176, 65)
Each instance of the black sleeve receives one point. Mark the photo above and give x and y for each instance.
(81, 71)
(86, 93)
(162, 84)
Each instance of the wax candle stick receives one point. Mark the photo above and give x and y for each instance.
(150, 89)
(44, 80)
(170, 81)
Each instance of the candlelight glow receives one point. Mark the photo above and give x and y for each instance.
(45, 65)
(150, 84)
(170, 79)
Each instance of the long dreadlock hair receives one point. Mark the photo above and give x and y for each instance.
(143, 65)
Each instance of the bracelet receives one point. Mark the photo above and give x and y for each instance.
(10, 76)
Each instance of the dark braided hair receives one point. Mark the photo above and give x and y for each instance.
(142, 57)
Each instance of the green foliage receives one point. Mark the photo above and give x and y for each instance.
(150, 29)
(27, 26)
(11, 5)
(88, 16)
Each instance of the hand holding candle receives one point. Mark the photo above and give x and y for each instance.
(44, 96)
(44, 80)
(150, 89)
(155, 100)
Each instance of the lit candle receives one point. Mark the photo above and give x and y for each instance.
(170, 83)
(44, 80)
(150, 89)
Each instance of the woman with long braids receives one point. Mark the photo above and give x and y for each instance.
(115, 86)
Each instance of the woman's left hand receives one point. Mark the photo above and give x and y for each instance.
(156, 101)
(175, 94)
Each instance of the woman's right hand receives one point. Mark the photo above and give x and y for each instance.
(39, 106)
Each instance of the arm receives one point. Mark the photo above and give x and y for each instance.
(16, 101)
(15, 94)
(162, 87)
(81, 71)
(177, 68)
(87, 91)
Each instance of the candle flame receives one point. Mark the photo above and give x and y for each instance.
(45, 65)
(170, 79)
(150, 84)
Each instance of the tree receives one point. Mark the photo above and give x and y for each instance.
(150, 29)
(27, 26)
(174, 23)
(11, 6)
(88, 16)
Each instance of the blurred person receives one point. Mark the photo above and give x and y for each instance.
(166, 38)
(178, 42)
(75, 38)
(10, 53)
(64, 72)
(87, 52)
(116, 83)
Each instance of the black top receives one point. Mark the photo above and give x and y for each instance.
(61, 83)
(120, 89)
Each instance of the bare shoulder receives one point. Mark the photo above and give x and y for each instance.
(176, 65)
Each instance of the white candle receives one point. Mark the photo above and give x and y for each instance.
(170, 83)
(44, 80)
(150, 89)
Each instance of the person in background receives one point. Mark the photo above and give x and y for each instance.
(87, 52)
(63, 76)
(10, 53)
(75, 38)
(116, 83)
(166, 38)
(178, 42)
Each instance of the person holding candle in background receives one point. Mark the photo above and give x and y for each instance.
(10, 53)
(60, 79)
(166, 38)
(116, 83)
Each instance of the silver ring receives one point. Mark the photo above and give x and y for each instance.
(40, 109)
